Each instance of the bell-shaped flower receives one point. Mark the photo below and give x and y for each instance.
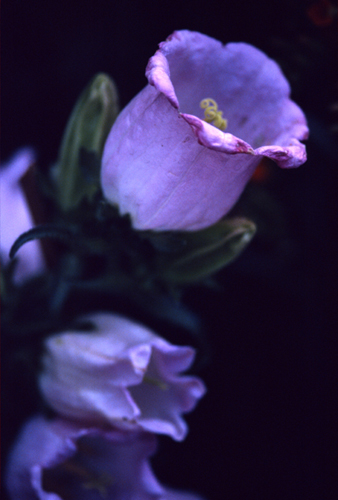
(16, 217)
(120, 374)
(180, 154)
(60, 460)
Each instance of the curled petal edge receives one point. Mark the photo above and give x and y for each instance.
(211, 137)
(158, 74)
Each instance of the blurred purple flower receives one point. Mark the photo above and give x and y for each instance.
(170, 165)
(16, 217)
(59, 460)
(121, 374)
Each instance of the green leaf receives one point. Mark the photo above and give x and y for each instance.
(202, 253)
(77, 173)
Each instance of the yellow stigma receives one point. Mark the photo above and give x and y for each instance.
(211, 113)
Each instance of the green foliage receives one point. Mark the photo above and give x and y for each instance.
(38, 233)
(192, 256)
(77, 172)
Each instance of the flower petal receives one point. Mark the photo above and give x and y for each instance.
(16, 217)
(165, 395)
(213, 138)
(58, 460)
(169, 169)
(121, 374)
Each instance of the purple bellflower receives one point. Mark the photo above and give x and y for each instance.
(16, 217)
(121, 374)
(168, 161)
(60, 460)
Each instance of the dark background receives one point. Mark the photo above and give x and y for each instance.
(261, 432)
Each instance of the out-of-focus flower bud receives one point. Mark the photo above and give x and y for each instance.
(121, 374)
(15, 216)
(60, 460)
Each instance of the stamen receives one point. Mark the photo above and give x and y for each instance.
(100, 484)
(211, 113)
(94, 481)
(154, 381)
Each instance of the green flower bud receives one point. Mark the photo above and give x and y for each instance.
(77, 173)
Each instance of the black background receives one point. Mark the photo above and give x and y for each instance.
(261, 431)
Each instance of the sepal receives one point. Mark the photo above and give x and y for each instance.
(202, 253)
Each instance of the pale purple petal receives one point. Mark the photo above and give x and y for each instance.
(58, 460)
(164, 395)
(15, 217)
(213, 138)
(168, 168)
(120, 374)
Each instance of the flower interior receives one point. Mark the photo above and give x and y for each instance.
(241, 80)
(84, 475)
